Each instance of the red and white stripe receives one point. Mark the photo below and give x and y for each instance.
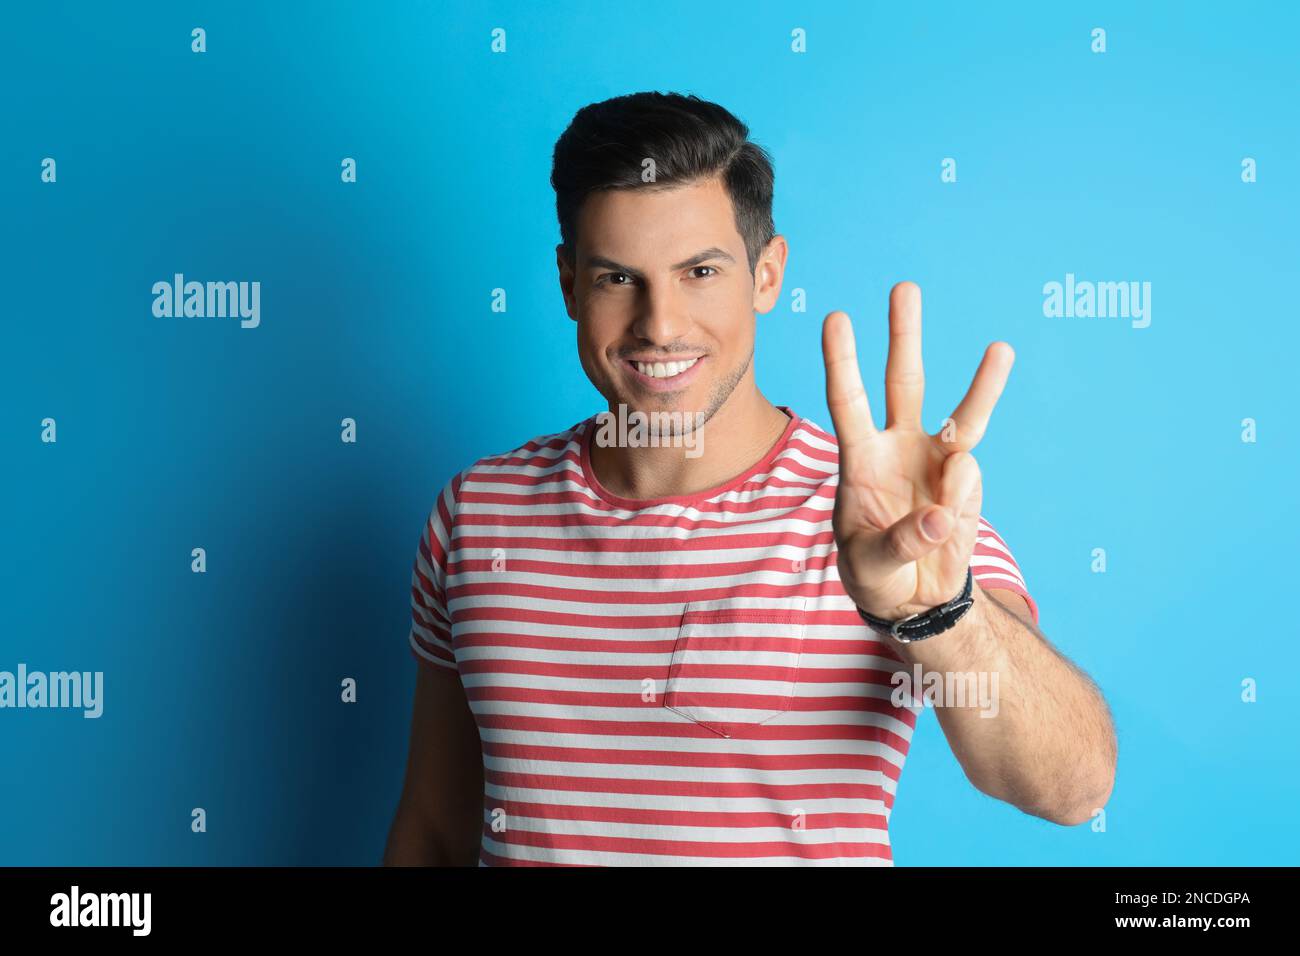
(668, 683)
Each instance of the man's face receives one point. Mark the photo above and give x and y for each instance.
(664, 299)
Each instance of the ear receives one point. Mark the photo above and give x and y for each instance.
(566, 282)
(768, 273)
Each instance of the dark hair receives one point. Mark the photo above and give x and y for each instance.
(688, 138)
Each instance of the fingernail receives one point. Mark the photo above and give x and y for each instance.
(935, 525)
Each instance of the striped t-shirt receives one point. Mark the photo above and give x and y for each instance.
(667, 682)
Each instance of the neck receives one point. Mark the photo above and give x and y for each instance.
(740, 433)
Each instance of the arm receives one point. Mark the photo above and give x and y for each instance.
(907, 513)
(439, 817)
(1050, 750)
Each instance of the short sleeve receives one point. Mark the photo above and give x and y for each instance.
(430, 637)
(993, 566)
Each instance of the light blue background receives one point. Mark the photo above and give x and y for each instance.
(222, 689)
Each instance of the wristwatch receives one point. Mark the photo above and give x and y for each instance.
(923, 624)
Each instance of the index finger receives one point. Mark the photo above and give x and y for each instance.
(846, 397)
(972, 416)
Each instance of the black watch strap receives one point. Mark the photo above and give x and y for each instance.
(923, 624)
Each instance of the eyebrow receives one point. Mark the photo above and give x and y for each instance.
(713, 252)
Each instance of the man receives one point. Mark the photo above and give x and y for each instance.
(684, 651)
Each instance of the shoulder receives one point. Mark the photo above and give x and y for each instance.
(539, 453)
(536, 458)
(813, 450)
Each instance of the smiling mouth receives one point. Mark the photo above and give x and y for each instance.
(662, 370)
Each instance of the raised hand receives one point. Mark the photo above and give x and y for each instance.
(908, 504)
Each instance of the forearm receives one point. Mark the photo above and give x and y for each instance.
(1049, 746)
(414, 840)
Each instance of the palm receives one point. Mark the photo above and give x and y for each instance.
(891, 478)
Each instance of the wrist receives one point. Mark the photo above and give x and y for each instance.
(953, 649)
(926, 623)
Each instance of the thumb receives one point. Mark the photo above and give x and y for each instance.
(909, 539)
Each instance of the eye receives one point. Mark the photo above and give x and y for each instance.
(715, 272)
(608, 278)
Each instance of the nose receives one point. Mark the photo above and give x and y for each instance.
(663, 315)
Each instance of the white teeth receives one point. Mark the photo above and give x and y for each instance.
(663, 369)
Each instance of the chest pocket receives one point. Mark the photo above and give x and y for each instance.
(735, 667)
